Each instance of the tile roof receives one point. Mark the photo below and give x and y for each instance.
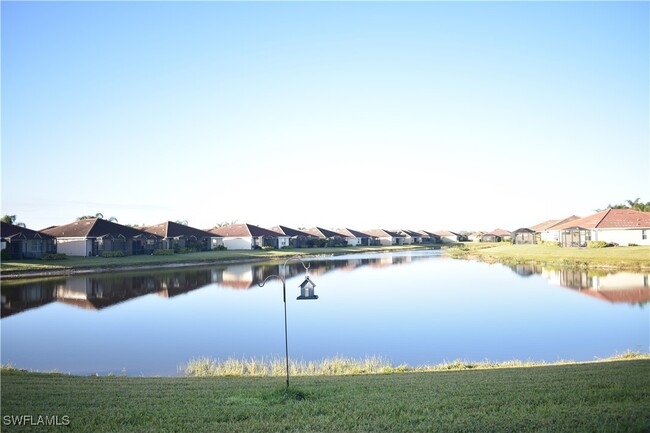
(349, 233)
(244, 231)
(289, 231)
(382, 233)
(445, 233)
(170, 229)
(500, 232)
(94, 228)
(412, 233)
(322, 233)
(8, 231)
(610, 219)
(547, 225)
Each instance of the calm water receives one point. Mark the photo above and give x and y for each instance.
(411, 307)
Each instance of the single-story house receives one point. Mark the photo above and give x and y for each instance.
(249, 236)
(547, 231)
(23, 243)
(446, 236)
(496, 235)
(386, 237)
(429, 237)
(410, 236)
(297, 238)
(95, 236)
(617, 226)
(475, 236)
(355, 238)
(328, 238)
(176, 236)
(524, 236)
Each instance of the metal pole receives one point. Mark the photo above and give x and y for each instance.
(286, 335)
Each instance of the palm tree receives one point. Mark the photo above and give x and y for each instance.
(225, 224)
(182, 222)
(97, 215)
(11, 220)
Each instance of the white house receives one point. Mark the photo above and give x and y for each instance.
(446, 236)
(618, 226)
(386, 237)
(548, 231)
(249, 236)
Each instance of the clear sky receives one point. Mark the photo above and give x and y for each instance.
(423, 115)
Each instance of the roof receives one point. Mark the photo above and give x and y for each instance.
(94, 228)
(170, 229)
(611, 219)
(412, 233)
(289, 231)
(244, 231)
(500, 232)
(524, 230)
(382, 233)
(445, 233)
(322, 233)
(547, 225)
(349, 233)
(428, 233)
(9, 231)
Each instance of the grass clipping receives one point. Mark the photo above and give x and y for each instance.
(341, 366)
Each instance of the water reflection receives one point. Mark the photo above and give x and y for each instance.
(99, 291)
(618, 287)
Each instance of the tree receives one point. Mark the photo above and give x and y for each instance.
(11, 220)
(97, 215)
(635, 204)
(225, 224)
(182, 222)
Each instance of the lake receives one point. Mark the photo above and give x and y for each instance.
(416, 307)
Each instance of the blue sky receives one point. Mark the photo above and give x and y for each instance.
(462, 116)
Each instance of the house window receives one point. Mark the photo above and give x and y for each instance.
(644, 234)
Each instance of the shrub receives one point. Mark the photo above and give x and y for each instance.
(550, 244)
(185, 250)
(221, 248)
(162, 252)
(113, 254)
(268, 248)
(596, 244)
(5, 254)
(632, 245)
(53, 256)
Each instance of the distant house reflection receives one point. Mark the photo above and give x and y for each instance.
(619, 287)
(99, 291)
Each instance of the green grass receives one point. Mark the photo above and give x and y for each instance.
(603, 397)
(633, 258)
(205, 257)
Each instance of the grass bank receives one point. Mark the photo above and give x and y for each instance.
(22, 268)
(606, 397)
(620, 258)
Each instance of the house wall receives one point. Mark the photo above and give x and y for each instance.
(74, 246)
(215, 242)
(283, 241)
(385, 241)
(353, 242)
(550, 235)
(623, 237)
(238, 243)
(447, 239)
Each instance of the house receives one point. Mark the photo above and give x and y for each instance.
(297, 238)
(176, 236)
(386, 237)
(249, 236)
(496, 235)
(429, 237)
(616, 226)
(328, 238)
(356, 238)
(410, 236)
(475, 236)
(23, 243)
(96, 236)
(524, 236)
(447, 236)
(547, 230)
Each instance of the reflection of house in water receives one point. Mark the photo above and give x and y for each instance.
(526, 270)
(100, 291)
(619, 287)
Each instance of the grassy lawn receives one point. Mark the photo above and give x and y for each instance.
(614, 257)
(607, 397)
(69, 263)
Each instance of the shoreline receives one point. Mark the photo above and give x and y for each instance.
(271, 256)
